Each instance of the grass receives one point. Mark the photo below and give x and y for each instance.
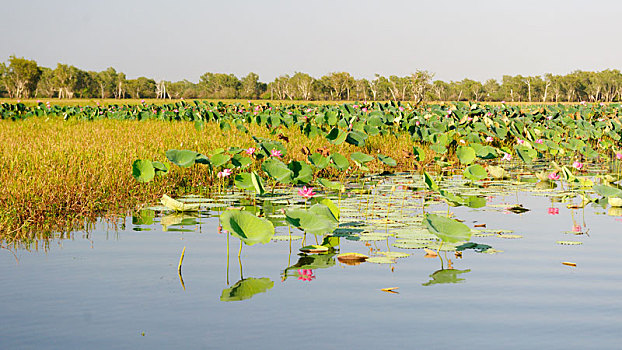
(60, 175)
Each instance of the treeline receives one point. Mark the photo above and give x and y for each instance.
(23, 78)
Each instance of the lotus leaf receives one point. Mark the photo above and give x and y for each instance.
(448, 230)
(247, 227)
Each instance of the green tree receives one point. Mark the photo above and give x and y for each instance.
(219, 85)
(22, 77)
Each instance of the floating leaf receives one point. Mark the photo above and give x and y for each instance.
(380, 260)
(314, 249)
(177, 205)
(569, 242)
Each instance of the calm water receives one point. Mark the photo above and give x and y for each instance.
(119, 288)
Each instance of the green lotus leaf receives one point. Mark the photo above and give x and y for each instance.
(339, 161)
(318, 160)
(448, 230)
(160, 168)
(465, 154)
(277, 170)
(475, 172)
(220, 159)
(387, 160)
(356, 138)
(336, 136)
(301, 172)
(247, 227)
(361, 158)
(143, 170)
(182, 158)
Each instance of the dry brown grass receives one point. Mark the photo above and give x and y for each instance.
(57, 175)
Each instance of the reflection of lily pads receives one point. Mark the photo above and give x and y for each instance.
(446, 276)
(246, 288)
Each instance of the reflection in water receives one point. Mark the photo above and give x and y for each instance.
(445, 276)
(246, 288)
(308, 263)
(178, 219)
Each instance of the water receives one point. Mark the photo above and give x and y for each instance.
(119, 288)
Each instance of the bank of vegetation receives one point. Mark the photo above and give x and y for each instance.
(23, 78)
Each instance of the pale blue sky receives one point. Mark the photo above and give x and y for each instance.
(183, 39)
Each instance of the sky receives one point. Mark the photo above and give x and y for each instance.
(183, 39)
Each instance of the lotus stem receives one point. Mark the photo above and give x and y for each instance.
(240, 251)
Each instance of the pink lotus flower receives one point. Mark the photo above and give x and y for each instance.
(540, 141)
(275, 153)
(355, 106)
(554, 176)
(224, 173)
(489, 139)
(520, 142)
(553, 211)
(401, 109)
(549, 117)
(364, 109)
(619, 156)
(250, 151)
(142, 101)
(577, 165)
(507, 157)
(417, 123)
(306, 192)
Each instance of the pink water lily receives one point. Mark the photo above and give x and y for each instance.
(540, 141)
(306, 192)
(275, 153)
(554, 176)
(520, 142)
(224, 173)
(489, 139)
(250, 151)
(577, 165)
(507, 157)
(619, 156)
(364, 109)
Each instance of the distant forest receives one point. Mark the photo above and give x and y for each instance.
(24, 78)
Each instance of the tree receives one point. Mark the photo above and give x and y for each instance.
(420, 84)
(219, 85)
(340, 84)
(302, 84)
(22, 77)
(250, 87)
(379, 88)
(141, 88)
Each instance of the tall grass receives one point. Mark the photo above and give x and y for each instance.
(58, 175)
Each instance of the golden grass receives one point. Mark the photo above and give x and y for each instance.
(58, 175)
